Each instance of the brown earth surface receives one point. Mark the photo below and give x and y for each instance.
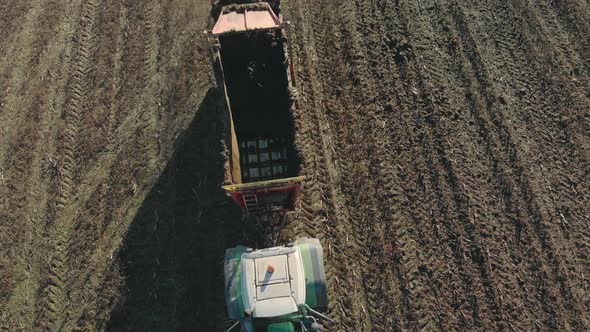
(446, 146)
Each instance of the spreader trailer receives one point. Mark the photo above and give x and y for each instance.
(281, 288)
(252, 67)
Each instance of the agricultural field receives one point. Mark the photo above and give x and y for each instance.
(446, 146)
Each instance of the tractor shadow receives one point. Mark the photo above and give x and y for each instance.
(172, 256)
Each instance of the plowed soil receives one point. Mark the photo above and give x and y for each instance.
(446, 146)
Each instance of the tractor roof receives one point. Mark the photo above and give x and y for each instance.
(273, 281)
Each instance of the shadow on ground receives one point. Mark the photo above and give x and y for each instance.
(172, 256)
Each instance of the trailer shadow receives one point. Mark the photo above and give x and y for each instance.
(172, 256)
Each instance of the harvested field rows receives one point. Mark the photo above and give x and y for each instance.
(446, 146)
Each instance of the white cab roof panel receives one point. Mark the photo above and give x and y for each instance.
(275, 307)
(278, 265)
(273, 281)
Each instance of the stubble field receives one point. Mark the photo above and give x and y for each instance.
(446, 146)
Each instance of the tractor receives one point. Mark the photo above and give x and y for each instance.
(279, 288)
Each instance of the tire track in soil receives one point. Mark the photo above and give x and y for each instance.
(559, 195)
(560, 160)
(473, 188)
(391, 249)
(27, 182)
(360, 204)
(506, 185)
(183, 92)
(24, 88)
(463, 239)
(574, 135)
(420, 238)
(502, 130)
(327, 204)
(13, 13)
(54, 304)
(551, 247)
(16, 26)
(486, 245)
(417, 248)
(96, 154)
(151, 96)
(141, 122)
(566, 57)
(313, 213)
(56, 100)
(557, 55)
(183, 220)
(407, 131)
(492, 224)
(96, 203)
(473, 81)
(574, 18)
(413, 129)
(29, 109)
(13, 72)
(382, 250)
(475, 191)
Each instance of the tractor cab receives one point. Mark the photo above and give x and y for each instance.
(276, 289)
(273, 282)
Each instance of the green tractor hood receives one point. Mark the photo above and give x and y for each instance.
(281, 327)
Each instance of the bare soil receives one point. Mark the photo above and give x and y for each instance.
(446, 146)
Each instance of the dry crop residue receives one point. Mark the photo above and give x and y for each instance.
(446, 146)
